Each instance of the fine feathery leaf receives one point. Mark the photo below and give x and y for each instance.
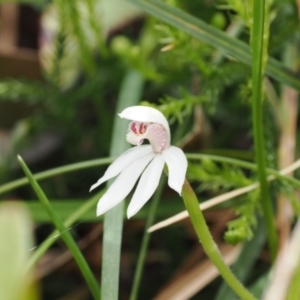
(216, 38)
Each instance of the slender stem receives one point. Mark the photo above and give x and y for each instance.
(65, 234)
(209, 246)
(145, 241)
(257, 119)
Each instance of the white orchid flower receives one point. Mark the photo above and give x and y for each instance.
(148, 160)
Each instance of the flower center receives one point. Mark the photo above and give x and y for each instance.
(157, 135)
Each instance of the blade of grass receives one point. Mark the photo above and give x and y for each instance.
(259, 286)
(257, 120)
(130, 94)
(214, 37)
(65, 234)
(70, 221)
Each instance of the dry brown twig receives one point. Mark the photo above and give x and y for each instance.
(198, 277)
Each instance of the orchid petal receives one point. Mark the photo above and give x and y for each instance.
(145, 114)
(124, 183)
(177, 165)
(122, 162)
(147, 185)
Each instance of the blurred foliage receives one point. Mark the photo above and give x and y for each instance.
(16, 282)
(83, 64)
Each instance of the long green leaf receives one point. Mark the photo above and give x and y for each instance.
(65, 234)
(257, 120)
(230, 46)
(130, 94)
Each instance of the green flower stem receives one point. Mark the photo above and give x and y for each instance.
(69, 222)
(209, 246)
(65, 234)
(145, 241)
(257, 119)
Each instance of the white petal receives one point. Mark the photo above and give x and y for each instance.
(177, 165)
(124, 183)
(147, 185)
(145, 114)
(122, 162)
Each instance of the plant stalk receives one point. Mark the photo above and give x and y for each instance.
(209, 246)
(257, 119)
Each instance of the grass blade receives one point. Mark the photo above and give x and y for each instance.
(257, 120)
(130, 94)
(65, 234)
